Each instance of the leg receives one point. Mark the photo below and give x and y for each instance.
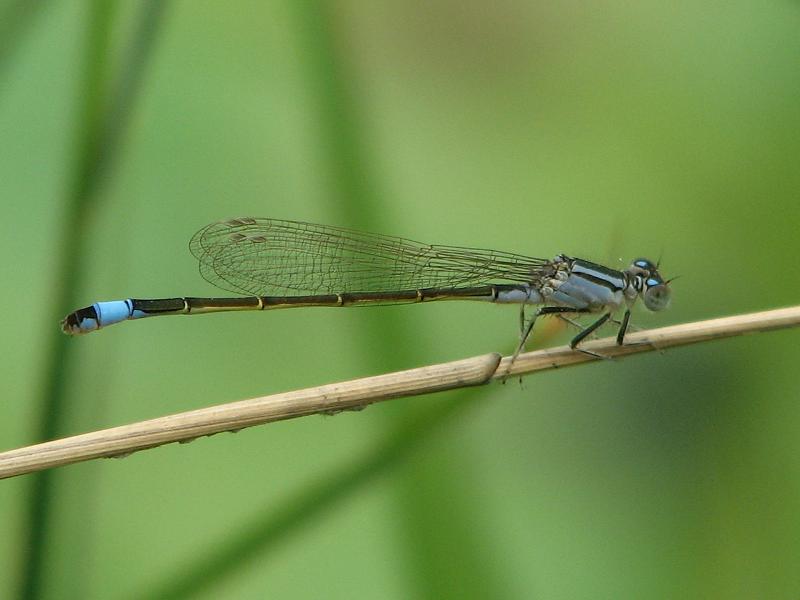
(545, 310)
(588, 331)
(522, 334)
(623, 327)
(569, 321)
(631, 326)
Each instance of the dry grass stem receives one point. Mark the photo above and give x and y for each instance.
(357, 393)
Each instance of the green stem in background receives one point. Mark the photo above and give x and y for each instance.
(104, 110)
(265, 532)
(350, 178)
(354, 189)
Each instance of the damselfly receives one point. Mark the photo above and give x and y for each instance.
(289, 264)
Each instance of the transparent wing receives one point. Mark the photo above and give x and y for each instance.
(271, 257)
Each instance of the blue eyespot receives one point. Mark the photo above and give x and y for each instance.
(653, 282)
(644, 263)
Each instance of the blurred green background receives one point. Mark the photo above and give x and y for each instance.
(606, 130)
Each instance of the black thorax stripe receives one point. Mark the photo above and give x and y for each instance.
(608, 278)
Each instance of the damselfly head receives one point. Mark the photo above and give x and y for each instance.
(654, 290)
(657, 297)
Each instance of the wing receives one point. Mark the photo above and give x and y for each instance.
(271, 257)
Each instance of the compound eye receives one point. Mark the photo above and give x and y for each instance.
(657, 298)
